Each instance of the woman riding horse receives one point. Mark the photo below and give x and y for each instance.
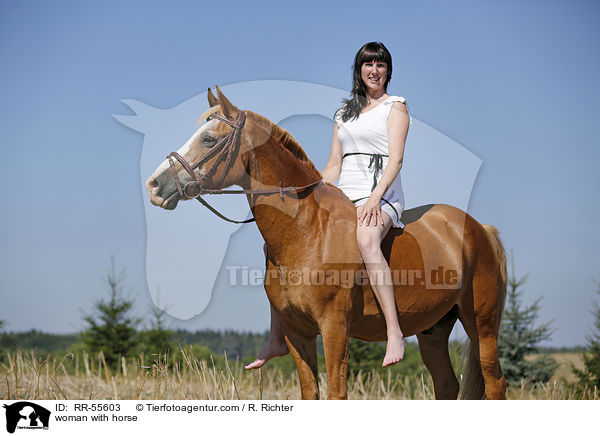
(456, 266)
(385, 119)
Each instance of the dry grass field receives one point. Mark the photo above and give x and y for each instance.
(27, 376)
(563, 372)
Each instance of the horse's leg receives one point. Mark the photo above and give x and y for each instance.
(433, 346)
(487, 319)
(304, 351)
(495, 383)
(336, 346)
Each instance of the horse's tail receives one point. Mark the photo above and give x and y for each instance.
(494, 237)
(473, 385)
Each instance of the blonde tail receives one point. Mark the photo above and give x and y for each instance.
(473, 386)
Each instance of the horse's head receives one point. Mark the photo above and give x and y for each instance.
(208, 160)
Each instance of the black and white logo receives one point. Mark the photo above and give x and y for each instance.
(26, 415)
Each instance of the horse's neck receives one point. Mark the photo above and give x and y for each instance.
(277, 220)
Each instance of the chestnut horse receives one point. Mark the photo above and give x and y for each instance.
(446, 266)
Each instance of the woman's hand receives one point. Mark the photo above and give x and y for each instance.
(370, 212)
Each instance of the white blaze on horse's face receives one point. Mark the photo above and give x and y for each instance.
(161, 185)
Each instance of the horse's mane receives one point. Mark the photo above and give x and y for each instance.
(285, 138)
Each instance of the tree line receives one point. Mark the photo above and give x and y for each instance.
(113, 330)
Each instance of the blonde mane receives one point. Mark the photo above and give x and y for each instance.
(285, 138)
(208, 112)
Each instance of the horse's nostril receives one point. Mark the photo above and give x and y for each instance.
(152, 184)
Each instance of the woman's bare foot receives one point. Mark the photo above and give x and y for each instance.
(394, 351)
(273, 348)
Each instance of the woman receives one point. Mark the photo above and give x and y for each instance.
(369, 135)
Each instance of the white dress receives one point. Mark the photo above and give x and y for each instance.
(364, 143)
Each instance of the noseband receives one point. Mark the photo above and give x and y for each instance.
(227, 149)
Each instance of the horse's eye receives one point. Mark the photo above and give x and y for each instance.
(209, 140)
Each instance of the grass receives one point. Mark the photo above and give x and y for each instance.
(25, 375)
(564, 360)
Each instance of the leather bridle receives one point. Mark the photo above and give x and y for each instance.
(227, 149)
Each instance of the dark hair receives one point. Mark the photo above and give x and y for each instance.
(371, 51)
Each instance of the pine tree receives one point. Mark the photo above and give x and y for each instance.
(589, 376)
(112, 329)
(2, 322)
(158, 339)
(519, 337)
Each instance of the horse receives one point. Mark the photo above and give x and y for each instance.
(446, 265)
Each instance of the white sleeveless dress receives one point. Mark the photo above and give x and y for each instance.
(364, 143)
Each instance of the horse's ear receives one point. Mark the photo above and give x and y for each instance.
(212, 100)
(229, 110)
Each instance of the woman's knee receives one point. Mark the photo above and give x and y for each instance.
(368, 241)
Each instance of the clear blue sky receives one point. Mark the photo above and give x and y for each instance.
(514, 82)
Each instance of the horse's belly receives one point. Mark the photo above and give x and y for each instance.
(427, 270)
(418, 310)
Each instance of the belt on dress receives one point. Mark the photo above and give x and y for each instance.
(376, 159)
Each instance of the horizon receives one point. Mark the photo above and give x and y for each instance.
(513, 84)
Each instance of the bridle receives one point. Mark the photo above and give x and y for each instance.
(227, 149)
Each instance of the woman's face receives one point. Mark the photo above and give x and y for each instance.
(374, 75)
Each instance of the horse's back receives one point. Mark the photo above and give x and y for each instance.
(436, 233)
(427, 261)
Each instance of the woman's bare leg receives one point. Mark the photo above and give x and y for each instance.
(380, 277)
(275, 345)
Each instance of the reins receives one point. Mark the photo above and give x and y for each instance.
(227, 149)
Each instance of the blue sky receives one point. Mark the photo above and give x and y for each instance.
(513, 82)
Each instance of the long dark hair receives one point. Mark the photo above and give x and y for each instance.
(371, 51)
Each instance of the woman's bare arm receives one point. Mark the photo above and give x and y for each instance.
(332, 170)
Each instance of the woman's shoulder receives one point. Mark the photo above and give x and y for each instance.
(397, 98)
(386, 103)
(394, 98)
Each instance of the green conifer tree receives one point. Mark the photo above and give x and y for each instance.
(1, 321)
(112, 328)
(519, 338)
(157, 340)
(589, 376)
